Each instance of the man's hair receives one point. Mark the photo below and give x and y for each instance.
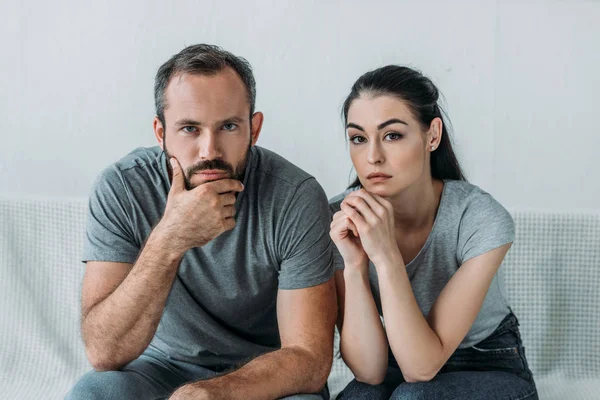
(201, 59)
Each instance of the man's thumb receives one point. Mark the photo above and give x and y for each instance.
(178, 183)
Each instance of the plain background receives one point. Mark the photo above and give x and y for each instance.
(520, 80)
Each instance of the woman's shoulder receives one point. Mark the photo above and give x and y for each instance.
(465, 195)
(462, 189)
(475, 206)
(483, 223)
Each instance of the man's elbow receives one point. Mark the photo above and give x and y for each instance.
(319, 369)
(102, 361)
(101, 364)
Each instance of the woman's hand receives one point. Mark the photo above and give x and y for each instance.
(344, 234)
(373, 218)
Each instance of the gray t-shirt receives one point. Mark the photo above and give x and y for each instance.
(222, 307)
(469, 222)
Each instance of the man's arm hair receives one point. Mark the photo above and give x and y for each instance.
(122, 304)
(306, 321)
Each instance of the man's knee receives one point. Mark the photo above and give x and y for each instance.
(105, 385)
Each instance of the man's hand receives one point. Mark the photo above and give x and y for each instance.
(195, 217)
(200, 390)
(189, 392)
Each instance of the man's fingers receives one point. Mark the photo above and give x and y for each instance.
(229, 223)
(228, 211)
(225, 185)
(178, 183)
(227, 199)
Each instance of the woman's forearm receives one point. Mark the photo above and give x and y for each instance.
(416, 347)
(363, 343)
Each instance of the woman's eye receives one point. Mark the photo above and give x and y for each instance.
(189, 129)
(393, 136)
(230, 127)
(357, 139)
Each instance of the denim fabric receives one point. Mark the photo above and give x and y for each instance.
(152, 376)
(495, 368)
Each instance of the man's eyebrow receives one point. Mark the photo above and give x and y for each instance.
(390, 122)
(187, 121)
(230, 120)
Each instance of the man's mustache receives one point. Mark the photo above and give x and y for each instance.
(210, 164)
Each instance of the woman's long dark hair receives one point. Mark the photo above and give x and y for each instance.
(421, 96)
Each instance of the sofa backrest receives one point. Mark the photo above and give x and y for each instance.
(553, 280)
(41, 272)
(552, 275)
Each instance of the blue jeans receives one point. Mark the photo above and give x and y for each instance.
(152, 376)
(495, 368)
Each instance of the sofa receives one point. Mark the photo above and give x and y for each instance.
(552, 274)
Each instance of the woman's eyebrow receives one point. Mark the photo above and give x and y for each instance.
(390, 122)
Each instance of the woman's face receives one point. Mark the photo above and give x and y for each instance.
(388, 147)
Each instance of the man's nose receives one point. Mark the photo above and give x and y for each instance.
(209, 147)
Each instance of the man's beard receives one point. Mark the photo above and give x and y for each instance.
(232, 173)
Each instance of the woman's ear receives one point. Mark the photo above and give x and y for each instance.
(434, 136)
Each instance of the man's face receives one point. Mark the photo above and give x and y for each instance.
(207, 126)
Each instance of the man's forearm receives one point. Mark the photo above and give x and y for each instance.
(119, 328)
(273, 375)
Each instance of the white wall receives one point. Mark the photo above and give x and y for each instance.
(521, 82)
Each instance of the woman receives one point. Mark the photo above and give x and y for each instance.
(419, 248)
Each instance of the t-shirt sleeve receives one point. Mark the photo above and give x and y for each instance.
(484, 226)
(305, 247)
(109, 232)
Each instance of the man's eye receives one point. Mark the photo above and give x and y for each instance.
(230, 127)
(189, 129)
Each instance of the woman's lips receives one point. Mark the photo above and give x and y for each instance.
(378, 177)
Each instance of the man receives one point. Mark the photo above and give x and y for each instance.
(209, 262)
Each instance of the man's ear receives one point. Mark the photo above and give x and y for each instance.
(257, 121)
(159, 132)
